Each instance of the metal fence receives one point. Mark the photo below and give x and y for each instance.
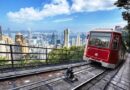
(15, 56)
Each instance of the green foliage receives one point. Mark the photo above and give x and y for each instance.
(3, 60)
(56, 56)
(121, 3)
(125, 36)
(63, 55)
(126, 16)
(24, 62)
(36, 62)
(75, 53)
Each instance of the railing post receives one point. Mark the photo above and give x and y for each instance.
(12, 59)
(46, 56)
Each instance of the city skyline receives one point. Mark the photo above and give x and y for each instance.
(77, 15)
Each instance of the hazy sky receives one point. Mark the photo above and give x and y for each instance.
(77, 15)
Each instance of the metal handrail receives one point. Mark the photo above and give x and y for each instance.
(46, 54)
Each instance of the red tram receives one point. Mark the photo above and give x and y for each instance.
(106, 47)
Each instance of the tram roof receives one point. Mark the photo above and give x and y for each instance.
(105, 30)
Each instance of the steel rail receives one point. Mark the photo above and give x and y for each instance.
(43, 82)
(106, 85)
(89, 80)
(39, 72)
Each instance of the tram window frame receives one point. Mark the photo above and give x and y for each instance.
(101, 35)
(117, 39)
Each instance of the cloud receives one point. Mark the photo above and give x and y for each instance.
(92, 5)
(59, 7)
(25, 14)
(122, 23)
(63, 20)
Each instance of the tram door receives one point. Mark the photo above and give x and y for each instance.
(115, 48)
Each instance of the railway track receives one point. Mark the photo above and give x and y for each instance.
(89, 77)
(89, 80)
(44, 84)
(33, 71)
(99, 82)
(20, 81)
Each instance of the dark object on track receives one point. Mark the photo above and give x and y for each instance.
(69, 75)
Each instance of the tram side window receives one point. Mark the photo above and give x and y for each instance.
(115, 42)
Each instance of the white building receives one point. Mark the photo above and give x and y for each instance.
(78, 40)
(73, 42)
(66, 38)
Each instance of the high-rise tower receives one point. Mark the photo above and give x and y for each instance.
(78, 42)
(73, 42)
(53, 39)
(9, 32)
(66, 38)
(29, 37)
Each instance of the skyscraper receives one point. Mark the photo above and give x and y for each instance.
(20, 40)
(78, 42)
(83, 38)
(53, 39)
(9, 32)
(66, 38)
(29, 39)
(73, 42)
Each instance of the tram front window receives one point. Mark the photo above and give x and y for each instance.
(100, 39)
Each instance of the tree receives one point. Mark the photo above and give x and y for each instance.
(64, 55)
(125, 4)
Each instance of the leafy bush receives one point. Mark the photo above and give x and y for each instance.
(56, 56)
(66, 54)
(3, 60)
